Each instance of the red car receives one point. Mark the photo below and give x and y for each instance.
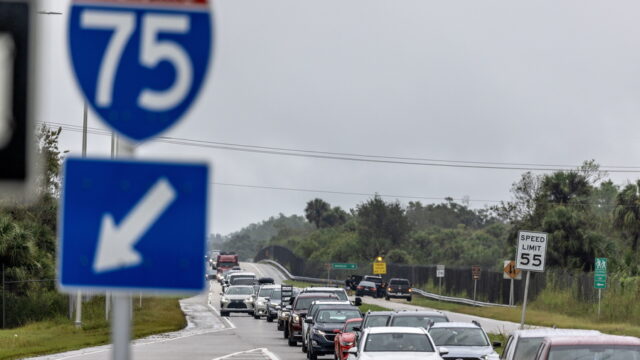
(346, 338)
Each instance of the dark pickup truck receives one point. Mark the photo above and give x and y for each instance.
(399, 288)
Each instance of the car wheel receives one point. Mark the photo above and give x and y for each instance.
(269, 318)
(291, 341)
(280, 326)
(312, 355)
(286, 333)
(409, 298)
(387, 298)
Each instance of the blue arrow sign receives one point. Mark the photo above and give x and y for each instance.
(140, 63)
(131, 225)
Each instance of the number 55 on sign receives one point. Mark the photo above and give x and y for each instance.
(532, 250)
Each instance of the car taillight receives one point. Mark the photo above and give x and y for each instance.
(389, 289)
(360, 287)
(372, 288)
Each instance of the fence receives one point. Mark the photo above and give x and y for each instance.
(491, 287)
(30, 300)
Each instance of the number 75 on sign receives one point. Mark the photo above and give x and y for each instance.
(532, 250)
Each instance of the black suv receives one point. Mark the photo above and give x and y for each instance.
(324, 326)
(398, 288)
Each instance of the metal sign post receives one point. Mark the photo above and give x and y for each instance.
(511, 273)
(532, 250)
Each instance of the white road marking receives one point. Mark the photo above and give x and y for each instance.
(256, 351)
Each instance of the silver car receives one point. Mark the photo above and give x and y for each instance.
(262, 298)
(237, 298)
(464, 340)
(524, 344)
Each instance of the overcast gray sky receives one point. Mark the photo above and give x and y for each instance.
(550, 82)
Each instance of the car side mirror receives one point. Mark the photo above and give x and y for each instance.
(443, 350)
(291, 300)
(496, 344)
(358, 301)
(353, 350)
(357, 329)
(308, 321)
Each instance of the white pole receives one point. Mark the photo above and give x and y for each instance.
(121, 315)
(78, 321)
(524, 301)
(475, 284)
(440, 285)
(511, 300)
(121, 326)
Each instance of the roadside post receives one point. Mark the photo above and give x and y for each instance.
(440, 275)
(531, 254)
(600, 278)
(475, 273)
(140, 65)
(511, 273)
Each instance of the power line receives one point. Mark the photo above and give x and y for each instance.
(343, 192)
(361, 157)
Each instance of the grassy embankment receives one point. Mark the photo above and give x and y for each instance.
(59, 334)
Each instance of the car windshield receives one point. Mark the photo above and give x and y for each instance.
(373, 279)
(226, 264)
(242, 281)
(349, 326)
(527, 348)
(399, 282)
(398, 342)
(339, 293)
(275, 295)
(336, 315)
(305, 303)
(416, 320)
(266, 292)
(367, 284)
(458, 337)
(376, 320)
(240, 290)
(594, 352)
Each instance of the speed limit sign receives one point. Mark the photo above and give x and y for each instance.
(140, 63)
(532, 248)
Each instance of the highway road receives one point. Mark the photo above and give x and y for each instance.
(239, 337)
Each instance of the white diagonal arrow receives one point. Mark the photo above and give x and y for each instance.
(115, 245)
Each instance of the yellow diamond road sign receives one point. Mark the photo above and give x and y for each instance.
(379, 268)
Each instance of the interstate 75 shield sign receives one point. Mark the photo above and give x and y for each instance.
(140, 63)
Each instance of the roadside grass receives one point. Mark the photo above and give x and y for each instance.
(534, 316)
(157, 315)
(370, 307)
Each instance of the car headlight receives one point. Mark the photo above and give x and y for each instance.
(296, 318)
(248, 301)
(319, 332)
(224, 300)
(260, 303)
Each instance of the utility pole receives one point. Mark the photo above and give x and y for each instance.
(78, 321)
(3, 300)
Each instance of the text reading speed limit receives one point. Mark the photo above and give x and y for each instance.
(532, 248)
(140, 63)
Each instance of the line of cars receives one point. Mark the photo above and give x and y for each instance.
(325, 322)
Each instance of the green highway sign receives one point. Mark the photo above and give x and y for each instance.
(343, 266)
(600, 274)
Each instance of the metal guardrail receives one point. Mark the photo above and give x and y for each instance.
(421, 292)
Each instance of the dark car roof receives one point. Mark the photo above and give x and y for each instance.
(592, 340)
(315, 295)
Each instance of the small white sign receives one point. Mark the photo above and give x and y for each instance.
(440, 271)
(532, 250)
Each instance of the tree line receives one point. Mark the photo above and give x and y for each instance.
(584, 212)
